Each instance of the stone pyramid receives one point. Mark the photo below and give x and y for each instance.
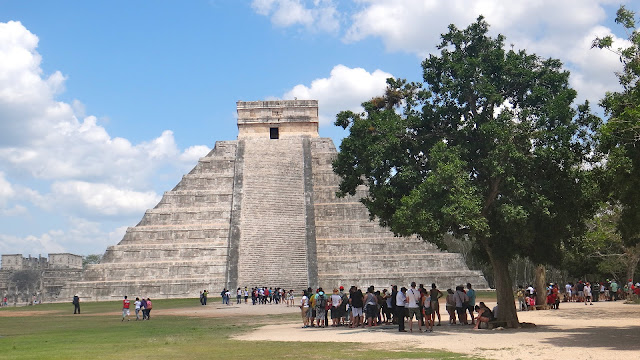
(261, 211)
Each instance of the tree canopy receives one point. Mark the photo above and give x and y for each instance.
(621, 133)
(488, 146)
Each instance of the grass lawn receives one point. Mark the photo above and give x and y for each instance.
(50, 331)
(487, 296)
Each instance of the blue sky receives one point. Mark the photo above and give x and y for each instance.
(105, 105)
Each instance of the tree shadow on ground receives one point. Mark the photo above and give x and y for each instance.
(609, 337)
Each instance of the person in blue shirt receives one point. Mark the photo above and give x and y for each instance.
(472, 301)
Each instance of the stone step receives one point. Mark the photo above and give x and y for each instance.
(340, 212)
(204, 182)
(151, 252)
(178, 200)
(214, 166)
(176, 234)
(173, 246)
(171, 287)
(273, 214)
(361, 265)
(154, 269)
(333, 229)
(383, 245)
(183, 216)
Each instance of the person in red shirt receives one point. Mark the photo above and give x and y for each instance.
(125, 308)
(148, 308)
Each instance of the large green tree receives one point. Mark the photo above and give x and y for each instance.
(620, 135)
(489, 147)
(602, 253)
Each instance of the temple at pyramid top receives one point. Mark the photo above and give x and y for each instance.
(277, 119)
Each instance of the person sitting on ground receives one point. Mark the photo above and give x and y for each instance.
(484, 315)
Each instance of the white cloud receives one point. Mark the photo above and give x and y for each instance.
(42, 244)
(542, 27)
(81, 237)
(101, 199)
(116, 235)
(70, 166)
(192, 154)
(6, 190)
(415, 26)
(44, 138)
(345, 89)
(595, 67)
(321, 15)
(14, 211)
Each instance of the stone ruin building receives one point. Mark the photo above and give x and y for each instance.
(22, 278)
(262, 211)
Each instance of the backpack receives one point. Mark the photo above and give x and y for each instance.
(345, 301)
(321, 302)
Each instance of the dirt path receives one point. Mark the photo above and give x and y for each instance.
(576, 331)
(217, 310)
(27, 313)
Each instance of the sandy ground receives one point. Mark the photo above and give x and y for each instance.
(576, 331)
(606, 330)
(26, 313)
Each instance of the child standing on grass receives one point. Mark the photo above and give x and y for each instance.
(137, 305)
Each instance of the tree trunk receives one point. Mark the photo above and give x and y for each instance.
(504, 292)
(633, 256)
(541, 284)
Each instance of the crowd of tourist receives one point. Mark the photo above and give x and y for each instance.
(580, 291)
(356, 308)
(259, 296)
(142, 308)
(372, 307)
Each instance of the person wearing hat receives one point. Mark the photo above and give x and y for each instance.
(343, 307)
(76, 303)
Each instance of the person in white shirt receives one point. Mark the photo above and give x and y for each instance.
(304, 307)
(413, 304)
(137, 304)
(336, 301)
(461, 300)
(587, 293)
(401, 299)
